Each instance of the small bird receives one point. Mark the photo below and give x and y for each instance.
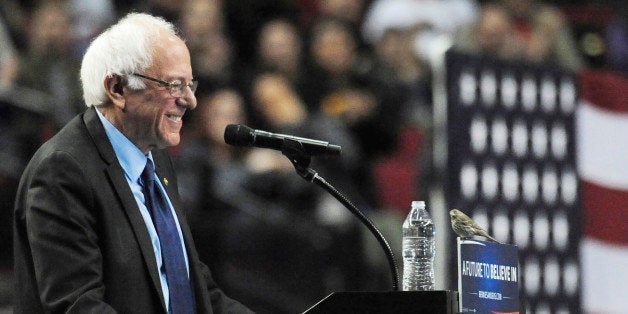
(465, 227)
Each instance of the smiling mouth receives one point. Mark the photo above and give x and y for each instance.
(174, 118)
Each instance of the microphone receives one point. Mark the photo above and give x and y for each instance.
(242, 135)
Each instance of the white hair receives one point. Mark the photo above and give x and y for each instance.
(124, 48)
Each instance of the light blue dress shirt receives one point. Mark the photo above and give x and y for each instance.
(133, 162)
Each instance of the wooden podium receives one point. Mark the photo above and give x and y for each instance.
(398, 302)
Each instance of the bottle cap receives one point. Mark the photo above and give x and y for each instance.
(418, 204)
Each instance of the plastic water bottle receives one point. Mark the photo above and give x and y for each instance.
(418, 249)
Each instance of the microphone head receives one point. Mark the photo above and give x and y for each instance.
(239, 135)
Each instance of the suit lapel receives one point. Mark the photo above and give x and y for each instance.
(122, 189)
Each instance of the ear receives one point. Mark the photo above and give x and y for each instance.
(114, 87)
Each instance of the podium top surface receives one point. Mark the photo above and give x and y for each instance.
(399, 302)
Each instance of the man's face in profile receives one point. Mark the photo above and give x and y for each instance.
(152, 117)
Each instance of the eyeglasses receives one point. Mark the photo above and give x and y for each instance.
(176, 88)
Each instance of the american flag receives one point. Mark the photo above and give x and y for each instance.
(602, 127)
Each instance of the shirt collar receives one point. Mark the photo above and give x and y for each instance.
(131, 158)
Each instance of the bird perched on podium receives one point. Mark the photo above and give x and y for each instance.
(465, 227)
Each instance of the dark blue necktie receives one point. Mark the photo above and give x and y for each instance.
(181, 297)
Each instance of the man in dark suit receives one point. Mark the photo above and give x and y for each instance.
(86, 235)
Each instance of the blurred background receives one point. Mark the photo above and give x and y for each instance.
(514, 111)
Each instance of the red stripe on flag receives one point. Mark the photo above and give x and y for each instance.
(605, 90)
(605, 213)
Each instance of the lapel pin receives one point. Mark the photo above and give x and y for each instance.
(166, 181)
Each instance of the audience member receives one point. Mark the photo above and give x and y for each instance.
(214, 63)
(212, 173)
(334, 62)
(546, 36)
(431, 19)
(20, 135)
(245, 18)
(205, 150)
(202, 18)
(49, 65)
(349, 12)
(404, 78)
(342, 85)
(492, 35)
(276, 103)
(403, 75)
(213, 55)
(279, 49)
(88, 18)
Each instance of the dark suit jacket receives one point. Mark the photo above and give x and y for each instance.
(80, 242)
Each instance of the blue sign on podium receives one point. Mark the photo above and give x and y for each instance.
(488, 277)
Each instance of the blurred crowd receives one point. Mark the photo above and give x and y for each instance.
(352, 72)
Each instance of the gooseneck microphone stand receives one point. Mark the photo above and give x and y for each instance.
(301, 160)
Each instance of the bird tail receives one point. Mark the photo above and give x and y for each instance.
(493, 239)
